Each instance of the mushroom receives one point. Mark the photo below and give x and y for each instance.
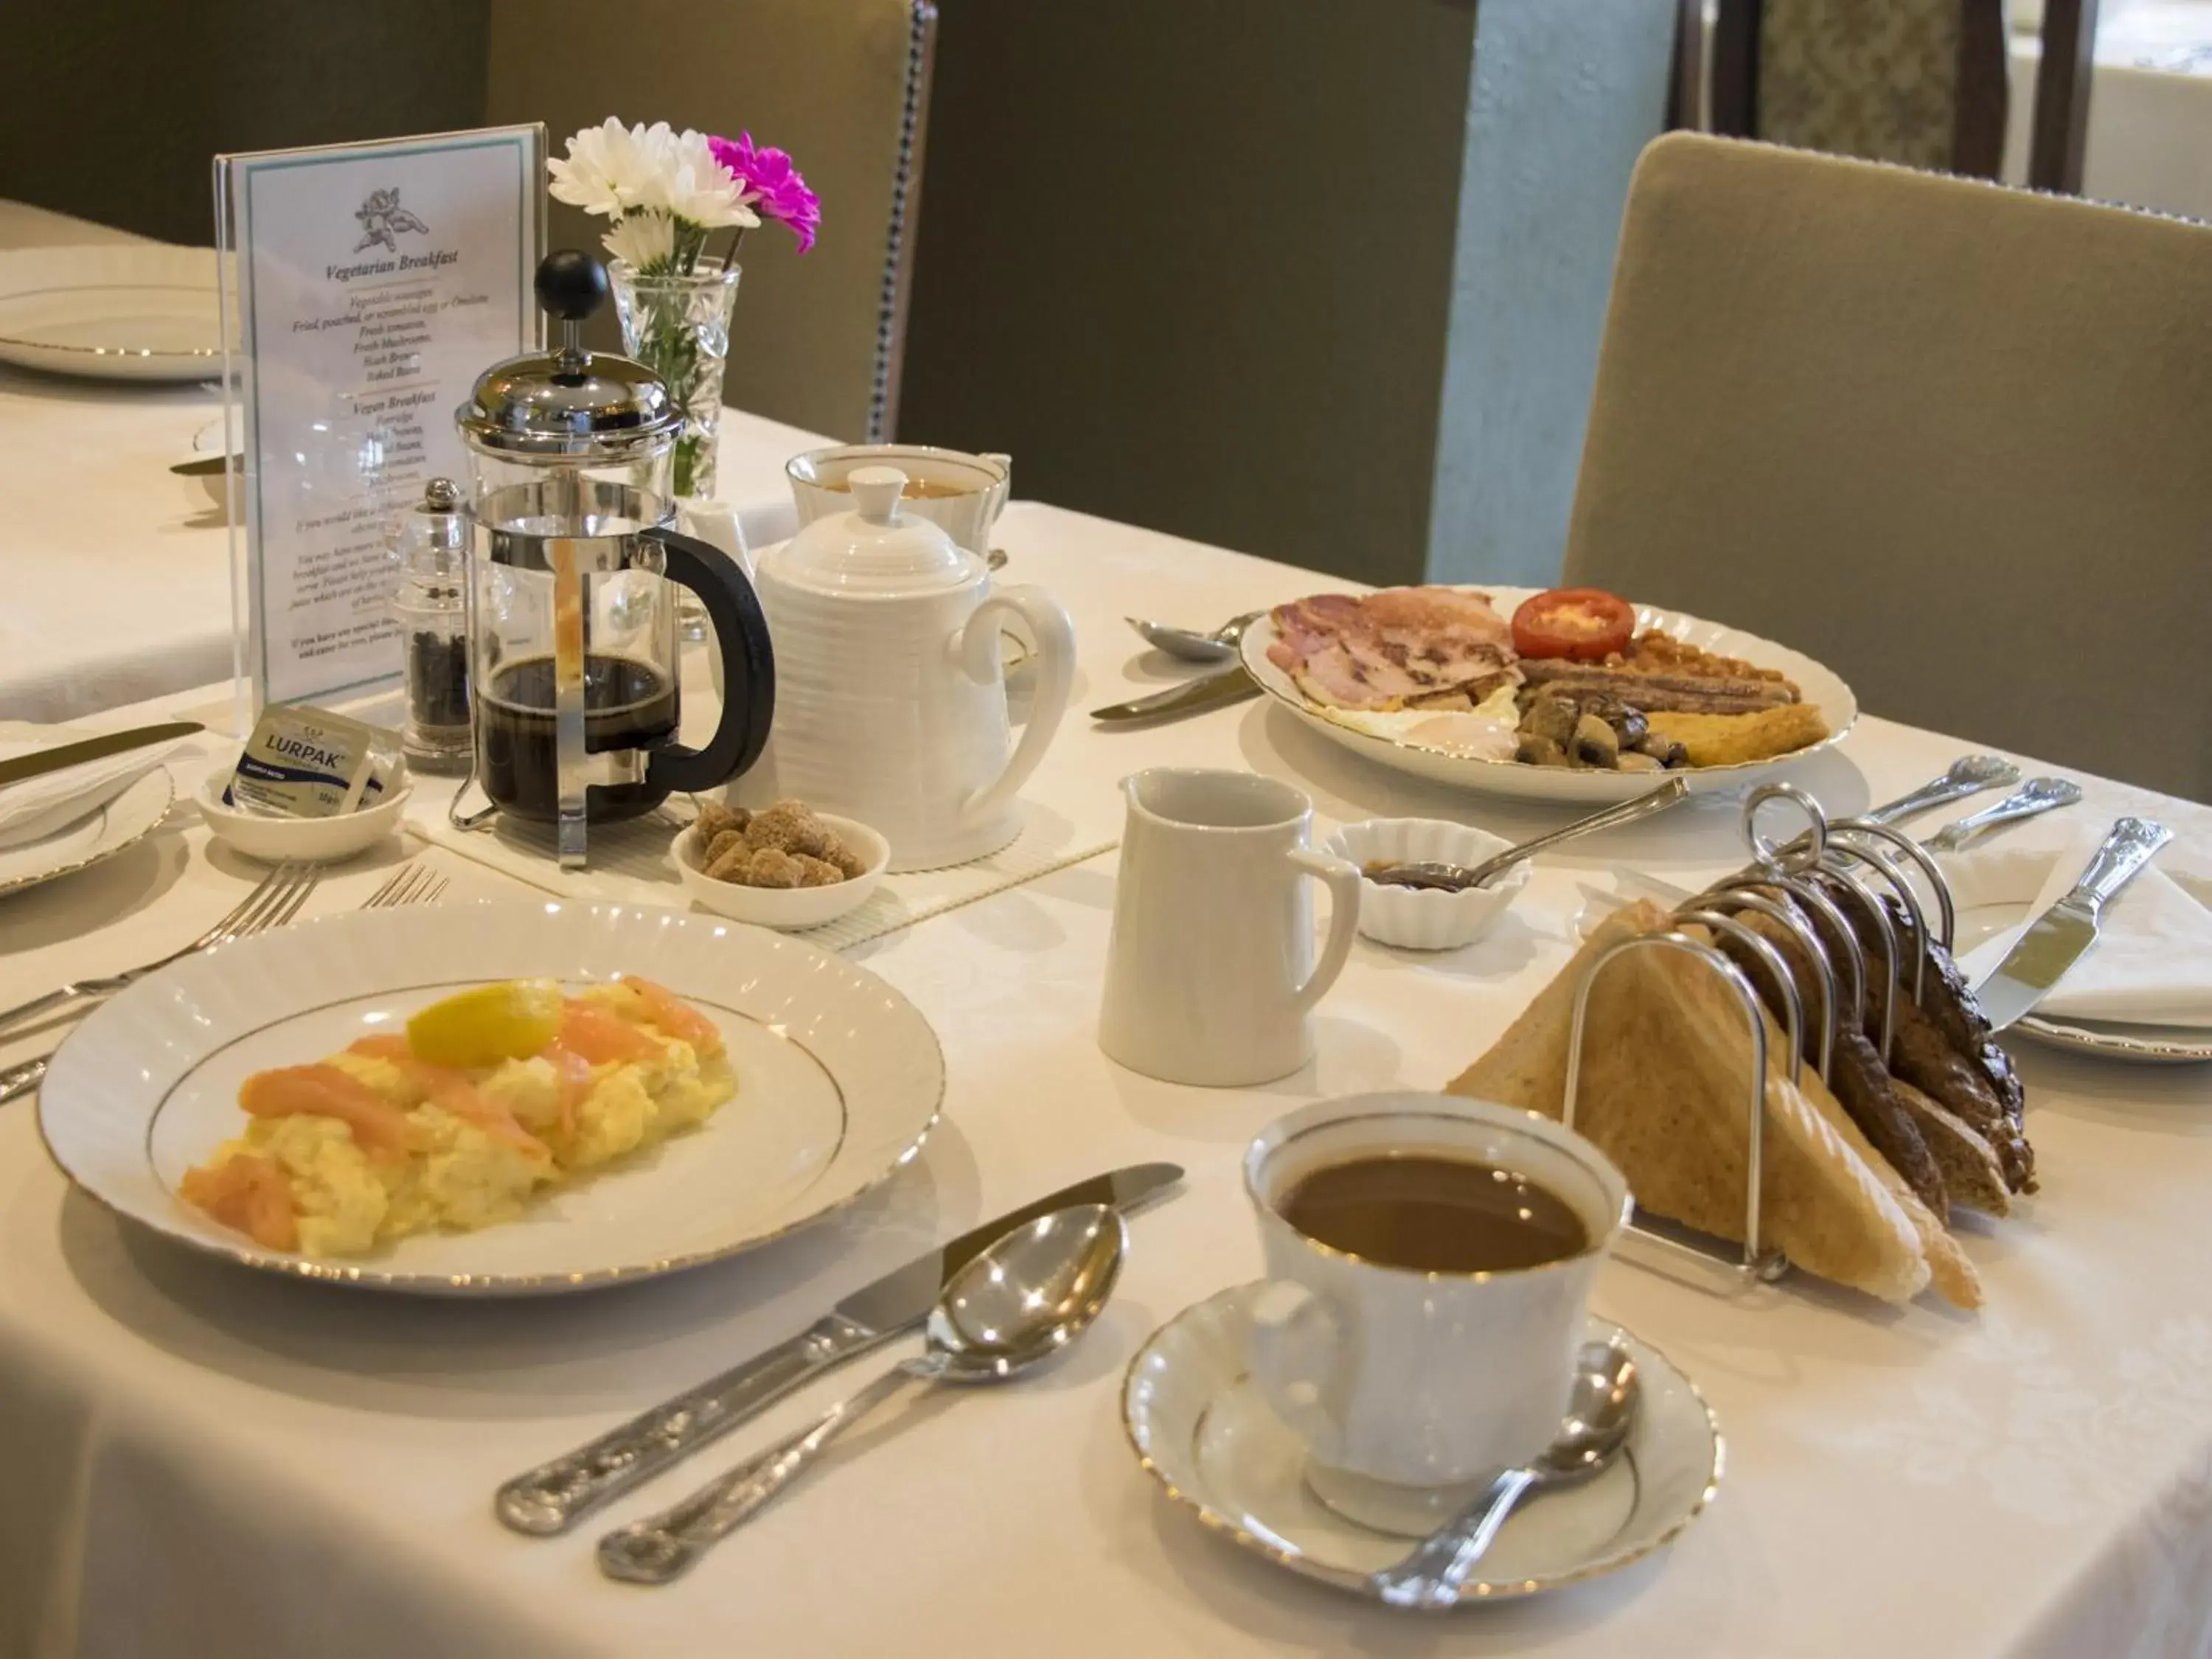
(1632, 761)
(1551, 718)
(1536, 750)
(1596, 745)
(1666, 751)
(1628, 724)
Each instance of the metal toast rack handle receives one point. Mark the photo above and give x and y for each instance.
(1803, 888)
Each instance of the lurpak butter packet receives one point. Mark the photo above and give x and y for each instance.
(303, 763)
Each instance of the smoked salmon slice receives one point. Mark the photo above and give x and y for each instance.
(251, 1193)
(598, 1035)
(379, 1128)
(453, 1091)
(676, 1017)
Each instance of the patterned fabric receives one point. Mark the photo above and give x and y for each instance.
(1877, 79)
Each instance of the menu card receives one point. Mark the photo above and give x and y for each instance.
(374, 282)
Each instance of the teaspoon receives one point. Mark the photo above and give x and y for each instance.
(1458, 877)
(1018, 1304)
(1190, 645)
(1600, 1411)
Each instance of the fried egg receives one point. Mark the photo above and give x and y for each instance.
(1488, 732)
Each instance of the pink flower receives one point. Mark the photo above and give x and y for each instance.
(768, 182)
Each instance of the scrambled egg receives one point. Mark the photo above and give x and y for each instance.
(455, 1174)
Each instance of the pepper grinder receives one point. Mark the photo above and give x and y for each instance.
(432, 540)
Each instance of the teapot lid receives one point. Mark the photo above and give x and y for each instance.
(569, 402)
(875, 550)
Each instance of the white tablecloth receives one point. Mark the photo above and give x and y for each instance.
(199, 1461)
(116, 572)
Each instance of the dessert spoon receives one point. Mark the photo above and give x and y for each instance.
(1015, 1305)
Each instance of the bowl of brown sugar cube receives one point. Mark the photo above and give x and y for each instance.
(785, 867)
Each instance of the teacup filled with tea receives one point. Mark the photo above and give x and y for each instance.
(1429, 1259)
(960, 493)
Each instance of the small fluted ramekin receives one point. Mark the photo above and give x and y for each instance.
(1418, 919)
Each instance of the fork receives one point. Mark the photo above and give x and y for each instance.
(411, 884)
(275, 901)
(2037, 795)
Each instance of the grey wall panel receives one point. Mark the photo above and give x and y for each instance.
(1565, 94)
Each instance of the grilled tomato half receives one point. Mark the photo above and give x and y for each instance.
(1587, 624)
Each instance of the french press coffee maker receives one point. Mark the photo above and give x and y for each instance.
(573, 599)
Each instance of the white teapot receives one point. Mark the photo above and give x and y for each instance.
(890, 706)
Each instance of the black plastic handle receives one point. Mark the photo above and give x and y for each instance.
(748, 669)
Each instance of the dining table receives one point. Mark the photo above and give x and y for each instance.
(197, 1460)
(118, 571)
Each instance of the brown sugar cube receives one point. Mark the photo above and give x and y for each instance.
(817, 873)
(722, 843)
(849, 864)
(731, 866)
(716, 820)
(789, 826)
(771, 867)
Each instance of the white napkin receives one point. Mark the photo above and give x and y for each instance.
(2152, 962)
(42, 806)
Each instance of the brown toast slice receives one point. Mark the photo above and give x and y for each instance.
(1663, 1092)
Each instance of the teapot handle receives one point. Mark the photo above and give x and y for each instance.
(748, 668)
(976, 647)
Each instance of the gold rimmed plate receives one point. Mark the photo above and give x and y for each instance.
(134, 311)
(1202, 1429)
(839, 1080)
(1818, 684)
(115, 826)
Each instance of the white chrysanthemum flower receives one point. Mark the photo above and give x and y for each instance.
(698, 189)
(645, 241)
(612, 168)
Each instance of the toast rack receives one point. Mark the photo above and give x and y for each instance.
(1834, 865)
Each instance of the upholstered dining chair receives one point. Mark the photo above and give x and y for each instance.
(841, 84)
(1954, 440)
(1922, 82)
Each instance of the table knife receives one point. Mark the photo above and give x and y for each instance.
(555, 1495)
(2056, 939)
(1212, 691)
(64, 756)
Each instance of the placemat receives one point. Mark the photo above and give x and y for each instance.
(631, 863)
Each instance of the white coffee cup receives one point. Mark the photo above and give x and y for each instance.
(965, 493)
(1211, 974)
(1413, 1389)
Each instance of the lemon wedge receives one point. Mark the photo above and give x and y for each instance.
(511, 1020)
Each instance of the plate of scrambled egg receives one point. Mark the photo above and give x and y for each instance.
(492, 1099)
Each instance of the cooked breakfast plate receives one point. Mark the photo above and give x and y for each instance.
(1463, 684)
(488, 1099)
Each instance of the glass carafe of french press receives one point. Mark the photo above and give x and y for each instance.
(574, 570)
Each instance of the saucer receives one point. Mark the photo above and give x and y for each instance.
(1202, 1429)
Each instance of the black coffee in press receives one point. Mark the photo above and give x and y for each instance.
(1442, 1215)
(628, 704)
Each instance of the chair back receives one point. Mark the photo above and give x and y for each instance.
(1921, 82)
(841, 84)
(1955, 440)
